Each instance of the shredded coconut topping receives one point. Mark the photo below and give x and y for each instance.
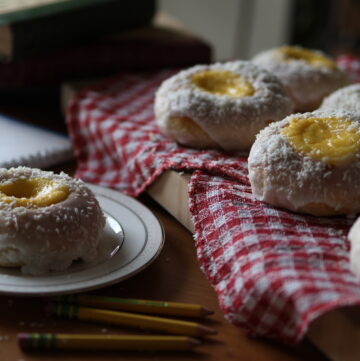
(347, 99)
(283, 177)
(231, 122)
(306, 84)
(50, 237)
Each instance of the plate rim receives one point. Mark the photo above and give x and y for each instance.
(120, 199)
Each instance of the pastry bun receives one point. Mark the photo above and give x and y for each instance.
(307, 75)
(47, 220)
(354, 238)
(223, 105)
(346, 98)
(309, 163)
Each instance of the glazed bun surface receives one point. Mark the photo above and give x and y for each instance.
(223, 105)
(47, 220)
(307, 75)
(346, 98)
(309, 163)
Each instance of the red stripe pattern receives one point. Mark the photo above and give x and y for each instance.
(274, 271)
(351, 63)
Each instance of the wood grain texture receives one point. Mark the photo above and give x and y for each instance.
(337, 333)
(171, 191)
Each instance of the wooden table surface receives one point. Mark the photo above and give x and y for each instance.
(174, 276)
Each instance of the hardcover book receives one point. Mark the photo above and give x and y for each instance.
(37, 26)
(142, 49)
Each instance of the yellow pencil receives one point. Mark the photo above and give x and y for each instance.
(51, 341)
(168, 325)
(137, 305)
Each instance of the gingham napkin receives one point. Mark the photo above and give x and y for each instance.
(274, 271)
(351, 63)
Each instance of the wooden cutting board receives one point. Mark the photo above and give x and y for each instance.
(336, 333)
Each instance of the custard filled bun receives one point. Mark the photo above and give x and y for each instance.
(307, 75)
(347, 99)
(309, 163)
(223, 105)
(47, 220)
(354, 238)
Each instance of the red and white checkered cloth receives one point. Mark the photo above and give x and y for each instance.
(351, 64)
(274, 271)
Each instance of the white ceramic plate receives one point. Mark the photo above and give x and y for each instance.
(133, 237)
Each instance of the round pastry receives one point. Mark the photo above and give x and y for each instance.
(223, 105)
(308, 75)
(354, 238)
(309, 163)
(347, 98)
(47, 220)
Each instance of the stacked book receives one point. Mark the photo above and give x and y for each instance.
(46, 42)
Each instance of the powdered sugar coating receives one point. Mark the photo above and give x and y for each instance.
(346, 98)
(232, 123)
(51, 237)
(306, 84)
(285, 178)
(354, 237)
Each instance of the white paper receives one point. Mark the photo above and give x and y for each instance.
(32, 146)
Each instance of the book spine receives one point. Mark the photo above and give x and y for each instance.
(83, 25)
(32, 11)
(103, 58)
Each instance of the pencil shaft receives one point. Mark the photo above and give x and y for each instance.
(137, 305)
(104, 342)
(130, 319)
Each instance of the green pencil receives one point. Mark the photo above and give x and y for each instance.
(137, 305)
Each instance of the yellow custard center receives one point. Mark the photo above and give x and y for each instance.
(332, 140)
(310, 57)
(223, 83)
(33, 192)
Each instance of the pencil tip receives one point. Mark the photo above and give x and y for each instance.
(206, 330)
(193, 342)
(206, 312)
(23, 340)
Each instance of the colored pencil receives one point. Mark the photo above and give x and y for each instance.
(137, 305)
(177, 327)
(51, 341)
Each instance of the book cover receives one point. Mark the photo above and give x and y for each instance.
(148, 48)
(29, 145)
(12, 11)
(26, 31)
